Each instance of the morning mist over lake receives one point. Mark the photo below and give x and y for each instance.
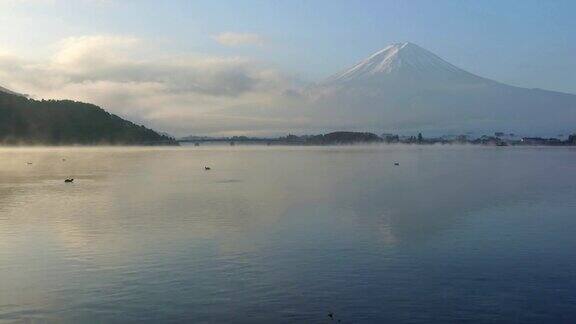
(287, 162)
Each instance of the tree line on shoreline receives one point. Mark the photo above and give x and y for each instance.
(344, 138)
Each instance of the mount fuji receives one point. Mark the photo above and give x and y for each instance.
(406, 87)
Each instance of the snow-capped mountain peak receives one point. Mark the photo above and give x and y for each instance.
(405, 58)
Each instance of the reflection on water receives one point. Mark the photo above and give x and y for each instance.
(284, 234)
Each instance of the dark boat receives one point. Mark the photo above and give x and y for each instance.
(69, 180)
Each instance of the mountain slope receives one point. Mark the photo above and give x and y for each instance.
(8, 91)
(405, 87)
(65, 122)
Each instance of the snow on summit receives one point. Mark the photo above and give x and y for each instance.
(399, 58)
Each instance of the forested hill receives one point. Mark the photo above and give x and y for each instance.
(64, 122)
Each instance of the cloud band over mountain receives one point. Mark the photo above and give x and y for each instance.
(204, 94)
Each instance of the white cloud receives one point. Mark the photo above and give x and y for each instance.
(187, 94)
(92, 51)
(239, 39)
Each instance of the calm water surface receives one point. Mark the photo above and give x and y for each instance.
(288, 234)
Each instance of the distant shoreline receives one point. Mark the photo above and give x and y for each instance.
(329, 139)
(354, 138)
(222, 144)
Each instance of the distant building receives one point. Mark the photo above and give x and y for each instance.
(390, 138)
(490, 140)
(540, 141)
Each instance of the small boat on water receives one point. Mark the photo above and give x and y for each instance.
(207, 168)
(396, 163)
(69, 180)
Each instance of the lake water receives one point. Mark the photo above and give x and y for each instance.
(288, 234)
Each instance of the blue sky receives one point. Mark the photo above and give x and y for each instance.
(529, 43)
(525, 42)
